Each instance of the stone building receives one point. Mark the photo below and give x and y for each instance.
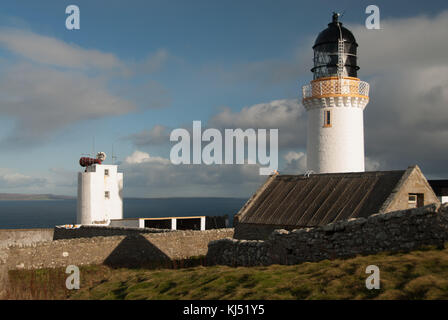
(302, 201)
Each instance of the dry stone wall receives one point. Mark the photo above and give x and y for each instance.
(130, 251)
(394, 231)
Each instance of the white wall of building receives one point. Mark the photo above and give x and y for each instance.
(94, 207)
(339, 148)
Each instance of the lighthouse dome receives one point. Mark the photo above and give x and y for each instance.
(326, 51)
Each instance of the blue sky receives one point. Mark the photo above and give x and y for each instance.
(157, 65)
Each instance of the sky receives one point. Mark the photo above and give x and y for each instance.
(136, 70)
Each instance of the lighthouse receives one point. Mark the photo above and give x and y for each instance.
(100, 189)
(335, 100)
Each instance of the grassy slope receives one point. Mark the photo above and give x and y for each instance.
(421, 274)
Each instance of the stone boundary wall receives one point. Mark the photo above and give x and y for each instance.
(11, 237)
(394, 232)
(132, 251)
(101, 231)
(116, 251)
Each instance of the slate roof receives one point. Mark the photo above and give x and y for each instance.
(319, 199)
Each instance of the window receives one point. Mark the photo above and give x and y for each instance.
(416, 200)
(412, 200)
(107, 195)
(327, 118)
(106, 172)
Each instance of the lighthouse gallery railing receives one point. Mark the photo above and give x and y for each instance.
(331, 87)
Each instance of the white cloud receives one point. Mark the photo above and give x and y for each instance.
(149, 176)
(295, 163)
(54, 52)
(50, 84)
(43, 100)
(142, 157)
(286, 115)
(10, 179)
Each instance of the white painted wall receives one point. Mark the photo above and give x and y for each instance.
(339, 148)
(93, 207)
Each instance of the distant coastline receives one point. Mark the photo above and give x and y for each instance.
(32, 197)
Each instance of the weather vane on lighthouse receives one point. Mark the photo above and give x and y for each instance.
(335, 100)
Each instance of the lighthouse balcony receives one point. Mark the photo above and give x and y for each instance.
(336, 87)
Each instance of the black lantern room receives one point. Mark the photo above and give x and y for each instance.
(327, 50)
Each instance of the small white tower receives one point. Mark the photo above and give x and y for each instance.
(335, 100)
(100, 189)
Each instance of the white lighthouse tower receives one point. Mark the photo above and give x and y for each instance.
(100, 189)
(335, 100)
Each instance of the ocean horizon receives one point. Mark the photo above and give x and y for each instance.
(27, 214)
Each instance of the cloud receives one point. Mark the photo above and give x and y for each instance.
(149, 176)
(295, 163)
(50, 84)
(142, 157)
(9, 179)
(286, 115)
(44, 100)
(405, 121)
(402, 43)
(53, 52)
(155, 61)
(148, 95)
(263, 73)
(62, 178)
(157, 135)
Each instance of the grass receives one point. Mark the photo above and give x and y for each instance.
(420, 274)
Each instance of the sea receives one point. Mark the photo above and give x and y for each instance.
(49, 213)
